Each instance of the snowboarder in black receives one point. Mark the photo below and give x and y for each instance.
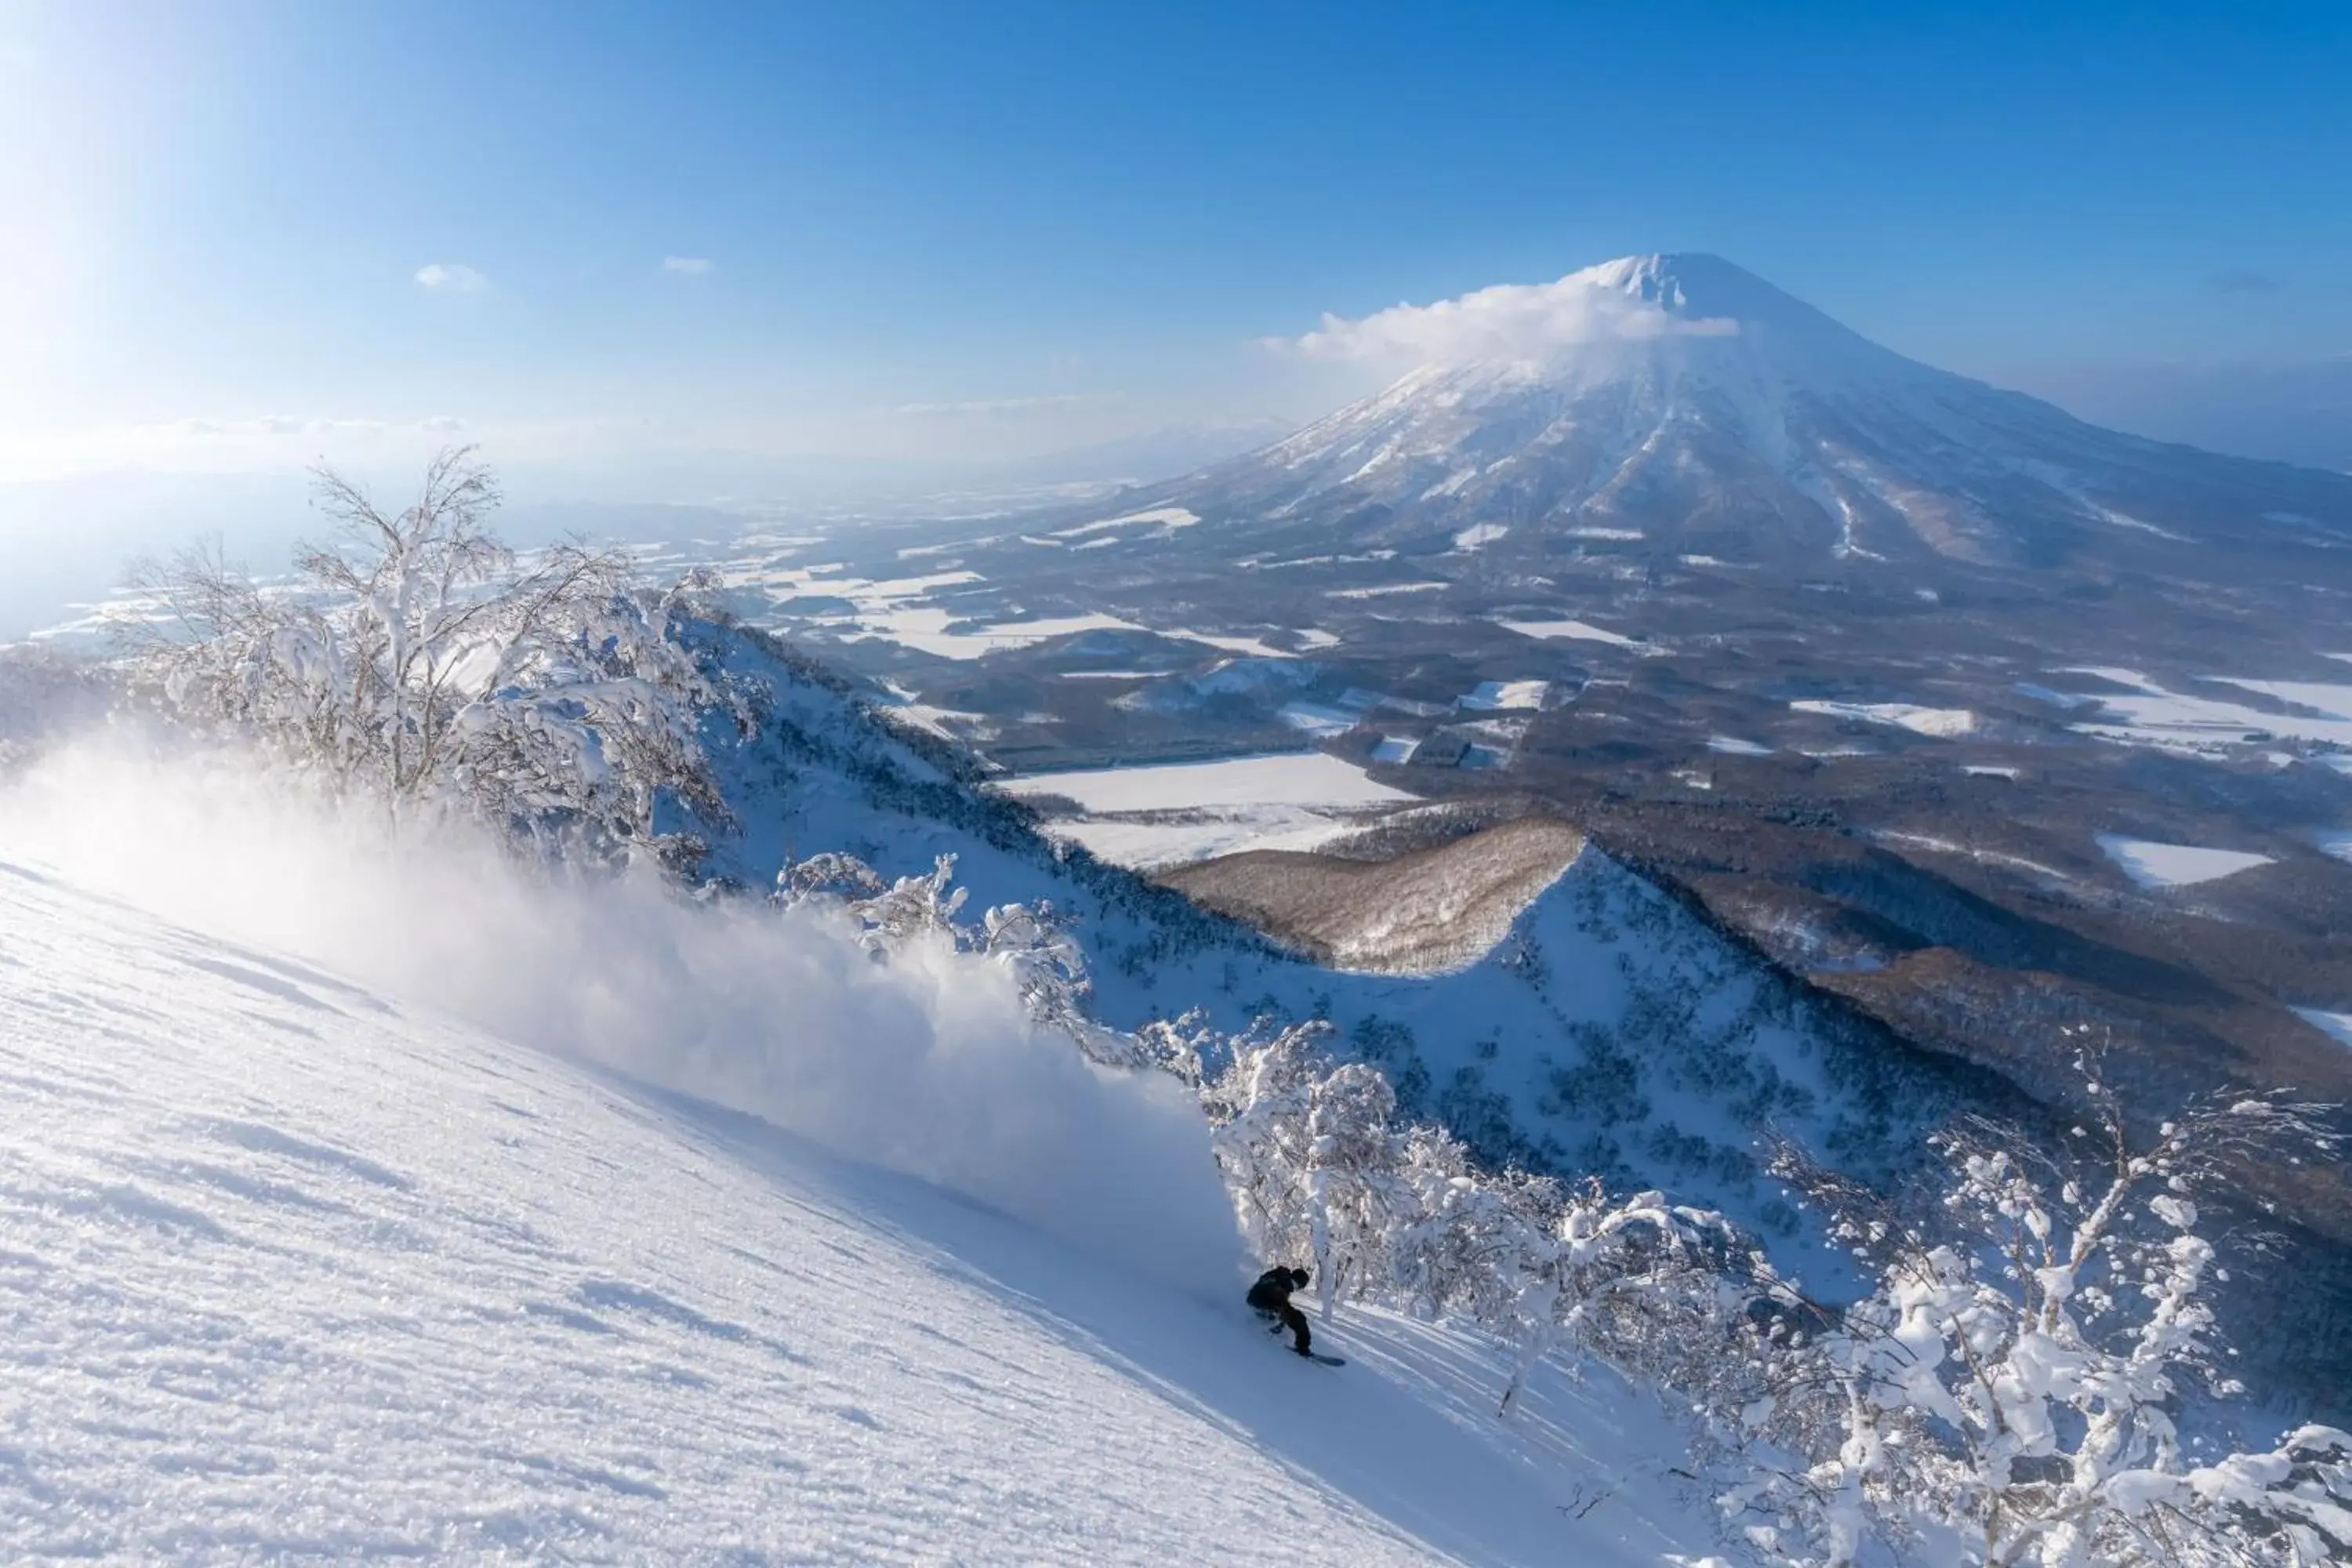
(1271, 1297)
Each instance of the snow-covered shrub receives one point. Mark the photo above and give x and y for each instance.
(827, 876)
(1639, 1282)
(1031, 942)
(913, 907)
(2007, 1393)
(1321, 1174)
(1180, 1046)
(1445, 1249)
(418, 660)
(1258, 1107)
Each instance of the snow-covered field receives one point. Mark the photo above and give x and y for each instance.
(1574, 631)
(926, 628)
(1319, 719)
(936, 613)
(1942, 723)
(2331, 699)
(1166, 519)
(2152, 865)
(1246, 646)
(293, 1267)
(2151, 715)
(1506, 694)
(1180, 812)
(1388, 590)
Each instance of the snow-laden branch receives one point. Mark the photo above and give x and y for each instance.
(418, 660)
(2007, 1394)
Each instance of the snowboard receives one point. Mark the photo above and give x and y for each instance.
(1317, 1356)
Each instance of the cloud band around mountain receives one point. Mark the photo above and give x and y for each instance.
(1508, 319)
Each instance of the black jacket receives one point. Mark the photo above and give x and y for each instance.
(1272, 1291)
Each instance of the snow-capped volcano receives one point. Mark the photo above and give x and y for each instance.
(1684, 401)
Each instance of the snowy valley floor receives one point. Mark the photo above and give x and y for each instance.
(288, 1268)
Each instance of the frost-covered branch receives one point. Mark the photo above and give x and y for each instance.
(2008, 1390)
(416, 659)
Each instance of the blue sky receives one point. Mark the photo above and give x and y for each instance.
(962, 229)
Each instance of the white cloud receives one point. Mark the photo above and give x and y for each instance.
(686, 266)
(452, 278)
(985, 406)
(1509, 319)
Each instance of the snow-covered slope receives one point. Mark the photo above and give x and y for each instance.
(1681, 400)
(1610, 1031)
(291, 1267)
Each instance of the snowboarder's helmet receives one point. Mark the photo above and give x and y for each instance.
(1298, 1278)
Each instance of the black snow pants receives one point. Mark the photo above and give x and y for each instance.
(1289, 1317)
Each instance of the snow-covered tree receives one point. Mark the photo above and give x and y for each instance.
(1180, 1046)
(1314, 1166)
(833, 876)
(1351, 1190)
(1034, 944)
(1445, 1247)
(912, 908)
(415, 658)
(2007, 1393)
(1257, 1109)
(1638, 1280)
